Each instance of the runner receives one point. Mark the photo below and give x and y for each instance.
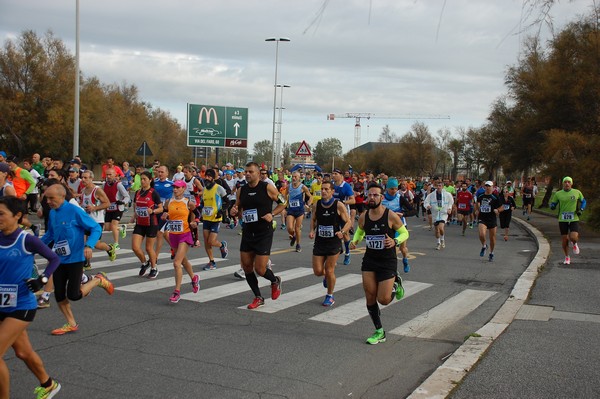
(528, 198)
(379, 268)
(464, 206)
(508, 204)
(329, 214)
(297, 192)
(66, 228)
(18, 304)
(118, 197)
(193, 190)
(164, 187)
(570, 204)
(343, 192)
(488, 207)
(439, 203)
(180, 213)
(213, 198)
(146, 206)
(395, 202)
(254, 203)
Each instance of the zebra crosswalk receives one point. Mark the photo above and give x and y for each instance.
(426, 325)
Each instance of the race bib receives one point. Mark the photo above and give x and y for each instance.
(317, 193)
(176, 226)
(326, 231)
(462, 206)
(61, 248)
(8, 295)
(295, 203)
(506, 207)
(250, 215)
(112, 207)
(375, 242)
(568, 215)
(142, 211)
(485, 208)
(207, 211)
(527, 195)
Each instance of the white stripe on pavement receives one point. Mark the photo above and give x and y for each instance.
(133, 260)
(432, 322)
(289, 299)
(355, 310)
(221, 291)
(151, 285)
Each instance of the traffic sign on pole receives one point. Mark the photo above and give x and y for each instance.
(303, 150)
(215, 126)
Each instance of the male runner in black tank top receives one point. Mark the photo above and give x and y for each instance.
(380, 265)
(255, 205)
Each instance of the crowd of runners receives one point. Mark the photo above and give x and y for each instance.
(188, 205)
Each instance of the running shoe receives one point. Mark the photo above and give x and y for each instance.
(143, 268)
(443, 243)
(116, 246)
(35, 228)
(324, 282)
(505, 238)
(172, 254)
(175, 297)
(240, 274)
(276, 288)
(224, 250)
(292, 240)
(575, 248)
(47, 393)
(438, 246)
(153, 273)
(328, 300)
(67, 328)
(398, 289)
(346, 259)
(283, 226)
(210, 265)
(567, 260)
(491, 257)
(377, 337)
(406, 265)
(470, 225)
(482, 252)
(88, 265)
(528, 217)
(195, 283)
(123, 230)
(269, 265)
(43, 303)
(257, 302)
(112, 252)
(105, 283)
(298, 248)
(274, 224)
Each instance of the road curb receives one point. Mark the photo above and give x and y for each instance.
(447, 376)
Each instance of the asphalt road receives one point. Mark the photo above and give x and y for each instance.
(135, 344)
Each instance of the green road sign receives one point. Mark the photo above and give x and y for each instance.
(214, 126)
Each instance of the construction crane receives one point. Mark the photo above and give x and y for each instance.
(359, 115)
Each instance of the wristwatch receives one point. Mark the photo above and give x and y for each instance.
(44, 279)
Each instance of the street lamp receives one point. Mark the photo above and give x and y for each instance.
(277, 143)
(276, 40)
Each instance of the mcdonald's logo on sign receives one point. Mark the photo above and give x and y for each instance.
(208, 112)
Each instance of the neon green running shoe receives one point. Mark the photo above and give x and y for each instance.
(112, 253)
(398, 290)
(123, 230)
(47, 393)
(377, 337)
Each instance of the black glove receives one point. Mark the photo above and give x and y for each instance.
(119, 203)
(35, 284)
(579, 212)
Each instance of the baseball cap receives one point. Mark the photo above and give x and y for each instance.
(337, 170)
(508, 182)
(567, 178)
(489, 183)
(12, 158)
(239, 170)
(179, 183)
(392, 183)
(73, 170)
(4, 167)
(3, 154)
(75, 160)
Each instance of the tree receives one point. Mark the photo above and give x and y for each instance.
(263, 152)
(420, 158)
(326, 149)
(387, 136)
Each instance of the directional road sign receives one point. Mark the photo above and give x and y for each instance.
(215, 126)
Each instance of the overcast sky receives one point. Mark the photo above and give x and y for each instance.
(387, 57)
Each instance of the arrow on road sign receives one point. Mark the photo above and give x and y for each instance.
(236, 126)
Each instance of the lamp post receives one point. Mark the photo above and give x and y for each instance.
(277, 143)
(276, 40)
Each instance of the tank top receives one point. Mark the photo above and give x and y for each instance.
(212, 204)
(327, 222)
(178, 216)
(375, 233)
(296, 198)
(111, 192)
(90, 199)
(143, 203)
(255, 203)
(15, 267)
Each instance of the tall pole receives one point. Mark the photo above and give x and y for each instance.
(76, 115)
(276, 40)
(277, 146)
